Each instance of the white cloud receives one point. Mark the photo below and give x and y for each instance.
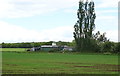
(26, 8)
(108, 11)
(70, 10)
(107, 17)
(13, 33)
(112, 35)
(107, 3)
(107, 20)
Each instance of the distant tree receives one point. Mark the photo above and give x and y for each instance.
(83, 29)
(61, 43)
(100, 37)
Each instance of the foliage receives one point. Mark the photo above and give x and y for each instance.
(16, 45)
(100, 37)
(107, 46)
(85, 25)
(34, 44)
(116, 48)
(83, 30)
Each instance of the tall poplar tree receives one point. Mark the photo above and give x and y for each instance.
(83, 29)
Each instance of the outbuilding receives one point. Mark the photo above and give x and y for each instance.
(49, 47)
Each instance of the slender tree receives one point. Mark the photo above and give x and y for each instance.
(85, 24)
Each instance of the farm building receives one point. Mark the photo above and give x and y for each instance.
(34, 49)
(52, 47)
(49, 47)
(67, 48)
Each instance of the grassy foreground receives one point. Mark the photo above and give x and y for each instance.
(58, 63)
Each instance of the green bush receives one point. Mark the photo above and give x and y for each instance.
(107, 46)
(116, 48)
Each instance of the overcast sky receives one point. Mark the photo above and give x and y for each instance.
(51, 20)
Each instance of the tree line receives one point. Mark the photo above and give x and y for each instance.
(99, 47)
(34, 44)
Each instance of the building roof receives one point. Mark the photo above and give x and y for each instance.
(48, 46)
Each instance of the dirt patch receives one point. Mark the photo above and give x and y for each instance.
(69, 63)
(114, 70)
(11, 64)
(99, 67)
(104, 67)
(14, 71)
(85, 66)
(90, 64)
(108, 65)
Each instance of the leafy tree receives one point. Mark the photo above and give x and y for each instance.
(85, 25)
(100, 37)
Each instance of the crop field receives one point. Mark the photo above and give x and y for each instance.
(14, 49)
(58, 63)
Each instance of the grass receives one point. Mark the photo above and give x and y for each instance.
(58, 63)
(14, 49)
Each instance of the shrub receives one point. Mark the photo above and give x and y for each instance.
(116, 48)
(107, 46)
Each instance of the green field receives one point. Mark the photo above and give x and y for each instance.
(58, 63)
(14, 49)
